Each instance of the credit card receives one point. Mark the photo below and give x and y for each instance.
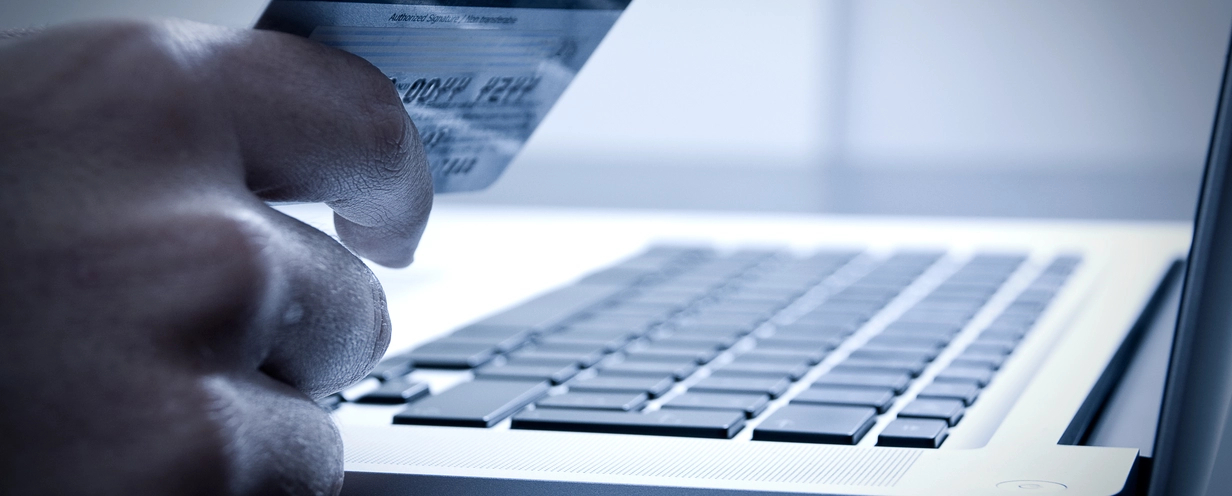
(476, 76)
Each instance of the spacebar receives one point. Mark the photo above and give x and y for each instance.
(721, 424)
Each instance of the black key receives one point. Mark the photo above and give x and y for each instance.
(914, 433)
(526, 370)
(868, 365)
(623, 402)
(926, 354)
(586, 354)
(743, 368)
(608, 343)
(505, 338)
(992, 347)
(603, 383)
(966, 392)
(751, 404)
(985, 360)
(879, 398)
(550, 310)
(774, 387)
(448, 354)
(396, 392)
(392, 367)
(679, 369)
(899, 340)
(718, 424)
(817, 424)
(817, 346)
(806, 329)
(714, 330)
(895, 381)
(948, 410)
(813, 357)
(693, 341)
(480, 403)
(957, 373)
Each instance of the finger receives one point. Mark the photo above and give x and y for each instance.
(279, 442)
(333, 325)
(318, 124)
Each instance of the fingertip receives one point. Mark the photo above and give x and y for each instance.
(382, 246)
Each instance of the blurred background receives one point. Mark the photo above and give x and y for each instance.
(1021, 108)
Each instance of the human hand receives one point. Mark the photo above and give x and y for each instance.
(165, 331)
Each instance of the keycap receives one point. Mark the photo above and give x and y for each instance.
(597, 329)
(675, 355)
(879, 398)
(816, 346)
(817, 424)
(624, 402)
(719, 330)
(743, 320)
(526, 370)
(812, 357)
(948, 410)
(679, 369)
(751, 404)
(836, 319)
(505, 338)
(900, 340)
(807, 329)
(391, 367)
(895, 381)
(984, 360)
(763, 370)
(922, 328)
(777, 359)
(913, 367)
(772, 386)
(719, 424)
(608, 343)
(1010, 335)
(550, 310)
(966, 392)
(479, 403)
(991, 346)
(447, 354)
(957, 373)
(693, 341)
(395, 392)
(926, 354)
(651, 385)
(584, 355)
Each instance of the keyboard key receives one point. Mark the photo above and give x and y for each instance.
(817, 424)
(603, 329)
(391, 367)
(815, 346)
(948, 410)
(608, 343)
(966, 392)
(718, 424)
(774, 387)
(396, 392)
(550, 310)
(742, 368)
(517, 370)
(899, 340)
(505, 338)
(812, 357)
(449, 354)
(879, 398)
(479, 403)
(584, 355)
(991, 347)
(895, 381)
(674, 355)
(603, 383)
(623, 402)
(981, 360)
(751, 404)
(692, 341)
(679, 369)
(866, 353)
(867, 365)
(957, 373)
(913, 433)
(806, 329)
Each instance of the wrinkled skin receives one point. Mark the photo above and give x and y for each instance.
(164, 331)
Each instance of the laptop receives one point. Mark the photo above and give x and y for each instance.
(567, 351)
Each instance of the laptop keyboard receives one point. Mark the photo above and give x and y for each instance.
(690, 342)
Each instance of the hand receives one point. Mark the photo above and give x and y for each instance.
(164, 330)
